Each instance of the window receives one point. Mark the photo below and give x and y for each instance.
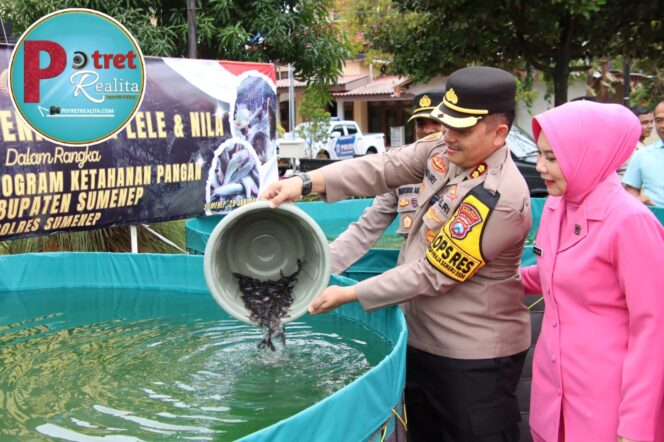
(352, 129)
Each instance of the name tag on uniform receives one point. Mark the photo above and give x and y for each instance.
(537, 251)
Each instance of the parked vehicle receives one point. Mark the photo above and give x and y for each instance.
(522, 148)
(524, 153)
(344, 140)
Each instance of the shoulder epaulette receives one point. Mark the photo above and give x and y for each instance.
(433, 137)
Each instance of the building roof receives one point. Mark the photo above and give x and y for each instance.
(388, 85)
(344, 83)
(285, 83)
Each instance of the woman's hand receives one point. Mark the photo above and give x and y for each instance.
(622, 439)
(331, 298)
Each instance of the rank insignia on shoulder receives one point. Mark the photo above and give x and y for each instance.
(479, 170)
(438, 163)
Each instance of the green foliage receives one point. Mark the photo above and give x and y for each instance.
(114, 239)
(424, 38)
(300, 32)
(649, 92)
(279, 31)
(524, 88)
(312, 110)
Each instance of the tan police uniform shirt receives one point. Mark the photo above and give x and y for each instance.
(362, 234)
(452, 237)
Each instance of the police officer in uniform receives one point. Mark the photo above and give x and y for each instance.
(459, 282)
(361, 235)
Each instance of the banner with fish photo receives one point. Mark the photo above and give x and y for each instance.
(202, 143)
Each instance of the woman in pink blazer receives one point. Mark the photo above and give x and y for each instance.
(598, 370)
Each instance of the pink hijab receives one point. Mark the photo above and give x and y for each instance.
(590, 141)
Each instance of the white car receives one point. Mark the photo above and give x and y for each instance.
(344, 140)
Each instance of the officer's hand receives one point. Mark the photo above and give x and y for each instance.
(331, 298)
(282, 191)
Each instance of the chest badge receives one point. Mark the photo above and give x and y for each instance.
(431, 214)
(438, 164)
(452, 193)
(403, 202)
(407, 221)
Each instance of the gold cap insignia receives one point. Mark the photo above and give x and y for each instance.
(451, 96)
(425, 101)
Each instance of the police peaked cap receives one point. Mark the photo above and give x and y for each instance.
(425, 103)
(473, 93)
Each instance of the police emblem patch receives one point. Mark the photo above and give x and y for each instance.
(425, 101)
(456, 250)
(451, 96)
(466, 217)
(438, 164)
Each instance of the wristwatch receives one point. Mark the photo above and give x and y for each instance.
(306, 182)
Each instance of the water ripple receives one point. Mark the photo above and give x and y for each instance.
(177, 369)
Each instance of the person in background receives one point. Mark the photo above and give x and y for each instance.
(458, 283)
(361, 235)
(647, 119)
(597, 375)
(644, 178)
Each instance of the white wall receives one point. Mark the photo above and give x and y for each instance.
(525, 115)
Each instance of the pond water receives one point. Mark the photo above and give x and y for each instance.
(89, 364)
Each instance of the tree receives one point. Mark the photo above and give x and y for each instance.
(312, 110)
(423, 38)
(300, 32)
(281, 31)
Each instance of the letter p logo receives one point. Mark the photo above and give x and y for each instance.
(32, 71)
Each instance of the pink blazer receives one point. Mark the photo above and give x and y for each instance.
(599, 360)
